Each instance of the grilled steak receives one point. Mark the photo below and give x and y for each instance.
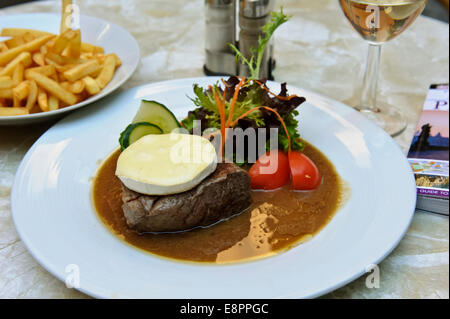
(224, 193)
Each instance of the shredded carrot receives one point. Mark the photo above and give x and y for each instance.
(223, 127)
(271, 110)
(283, 98)
(233, 102)
(221, 106)
(282, 123)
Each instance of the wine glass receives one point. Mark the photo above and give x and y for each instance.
(379, 21)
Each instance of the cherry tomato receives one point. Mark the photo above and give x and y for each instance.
(271, 171)
(304, 173)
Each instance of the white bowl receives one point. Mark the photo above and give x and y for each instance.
(113, 38)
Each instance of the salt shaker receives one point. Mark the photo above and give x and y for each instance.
(220, 30)
(253, 15)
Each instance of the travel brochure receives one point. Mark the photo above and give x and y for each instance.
(429, 152)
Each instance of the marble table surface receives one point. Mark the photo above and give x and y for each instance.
(316, 50)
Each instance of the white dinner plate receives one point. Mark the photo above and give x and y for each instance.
(113, 38)
(54, 216)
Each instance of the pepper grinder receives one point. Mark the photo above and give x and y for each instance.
(220, 30)
(253, 15)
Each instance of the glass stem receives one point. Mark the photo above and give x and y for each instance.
(370, 81)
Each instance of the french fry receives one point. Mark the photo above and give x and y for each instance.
(75, 87)
(96, 72)
(47, 70)
(61, 43)
(55, 59)
(53, 103)
(51, 62)
(27, 37)
(6, 82)
(12, 111)
(14, 32)
(17, 76)
(21, 91)
(3, 47)
(65, 85)
(55, 77)
(38, 58)
(62, 69)
(73, 34)
(91, 85)
(53, 87)
(107, 71)
(34, 45)
(50, 43)
(102, 57)
(78, 87)
(98, 50)
(32, 95)
(23, 58)
(75, 45)
(43, 100)
(16, 102)
(6, 93)
(19, 40)
(87, 48)
(87, 56)
(15, 42)
(66, 16)
(66, 52)
(44, 50)
(118, 61)
(62, 60)
(82, 70)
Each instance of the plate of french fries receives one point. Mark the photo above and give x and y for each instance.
(47, 69)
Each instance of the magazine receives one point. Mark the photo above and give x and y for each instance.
(429, 152)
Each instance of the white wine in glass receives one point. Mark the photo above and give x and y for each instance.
(379, 21)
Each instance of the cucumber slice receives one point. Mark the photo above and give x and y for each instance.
(156, 113)
(135, 131)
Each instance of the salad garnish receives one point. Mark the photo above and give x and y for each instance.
(248, 102)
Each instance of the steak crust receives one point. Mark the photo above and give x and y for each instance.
(224, 193)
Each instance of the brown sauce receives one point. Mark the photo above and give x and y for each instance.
(276, 221)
